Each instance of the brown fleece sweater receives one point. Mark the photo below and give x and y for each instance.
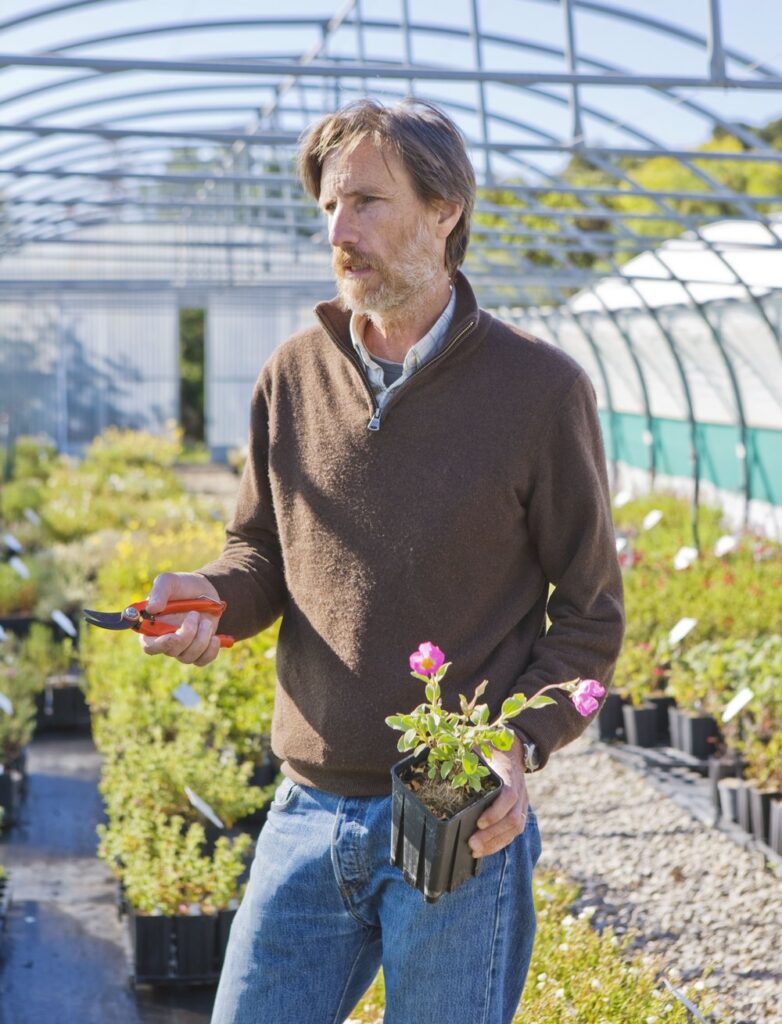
(485, 481)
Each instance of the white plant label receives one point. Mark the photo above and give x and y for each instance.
(652, 518)
(680, 630)
(622, 498)
(19, 567)
(32, 516)
(186, 695)
(64, 622)
(271, 653)
(724, 544)
(203, 807)
(12, 543)
(3, 635)
(684, 558)
(621, 544)
(732, 708)
(6, 705)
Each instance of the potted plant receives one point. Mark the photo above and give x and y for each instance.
(180, 899)
(440, 789)
(17, 720)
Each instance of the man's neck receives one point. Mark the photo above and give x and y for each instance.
(391, 334)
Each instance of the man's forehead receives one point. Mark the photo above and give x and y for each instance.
(365, 165)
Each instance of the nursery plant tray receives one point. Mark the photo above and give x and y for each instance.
(181, 950)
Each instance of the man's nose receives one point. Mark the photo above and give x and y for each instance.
(343, 229)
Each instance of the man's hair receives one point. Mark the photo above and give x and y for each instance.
(426, 141)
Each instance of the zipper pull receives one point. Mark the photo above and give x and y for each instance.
(374, 423)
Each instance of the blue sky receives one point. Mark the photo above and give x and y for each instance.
(753, 26)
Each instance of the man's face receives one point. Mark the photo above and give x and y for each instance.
(384, 247)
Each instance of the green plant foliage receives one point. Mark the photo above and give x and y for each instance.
(19, 682)
(164, 867)
(710, 674)
(18, 596)
(577, 973)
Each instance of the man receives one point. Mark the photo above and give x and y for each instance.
(417, 470)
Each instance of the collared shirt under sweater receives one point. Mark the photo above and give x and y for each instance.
(482, 482)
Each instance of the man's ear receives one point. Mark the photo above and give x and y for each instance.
(448, 214)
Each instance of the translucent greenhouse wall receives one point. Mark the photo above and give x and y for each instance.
(677, 379)
(71, 365)
(242, 330)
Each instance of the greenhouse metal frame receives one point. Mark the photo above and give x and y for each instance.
(132, 185)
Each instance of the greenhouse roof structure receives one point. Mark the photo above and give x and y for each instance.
(628, 156)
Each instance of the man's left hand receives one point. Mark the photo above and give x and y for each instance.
(506, 817)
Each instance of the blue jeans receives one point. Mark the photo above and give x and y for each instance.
(324, 910)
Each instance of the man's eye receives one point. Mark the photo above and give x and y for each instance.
(367, 199)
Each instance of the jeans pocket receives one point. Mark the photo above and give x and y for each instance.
(284, 795)
(532, 832)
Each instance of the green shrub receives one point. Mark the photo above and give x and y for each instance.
(164, 868)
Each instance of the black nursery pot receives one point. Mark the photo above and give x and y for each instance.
(662, 704)
(609, 721)
(61, 706)
(775, 826)
(744, 808)
(760, 801)
(698, 735)
(11, 793)
(640, 725)
(196, 945)
(433, 854)
(675, 727)
(150, 938)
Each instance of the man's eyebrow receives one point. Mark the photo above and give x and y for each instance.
(361, 190)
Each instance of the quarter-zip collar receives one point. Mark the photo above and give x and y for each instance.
(336, 319)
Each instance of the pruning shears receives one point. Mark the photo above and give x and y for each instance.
(136, 617)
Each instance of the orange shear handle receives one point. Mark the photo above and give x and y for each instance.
(151, 627)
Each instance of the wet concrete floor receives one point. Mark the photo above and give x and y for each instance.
(64, 956)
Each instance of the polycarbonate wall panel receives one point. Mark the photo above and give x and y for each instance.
(623, 379)
(756, 356)
(242, 331)
(661, 376)
(74, 366)
(121, 356)
(713, 394)
(31, 378)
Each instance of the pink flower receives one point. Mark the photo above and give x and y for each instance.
(427, 659)
(586, 696)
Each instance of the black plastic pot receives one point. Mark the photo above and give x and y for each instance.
(11, 793)
(775, 826)
(153, 950)
(661, 704)
(19, 625)
(195, 937)
(728, 789)
(5, 901)
(744, 808)
(760, 806)
(725, 767)
(675, 727)
(433, 854)
(640, 724)
(698, 735)
(225, 918)
(609, 723)
(61, 705)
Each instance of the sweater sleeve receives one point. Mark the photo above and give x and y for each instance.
(249, 574)
(569, 518)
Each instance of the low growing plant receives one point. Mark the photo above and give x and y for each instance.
(451, 738)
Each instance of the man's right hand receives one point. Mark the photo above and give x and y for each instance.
(194, 642)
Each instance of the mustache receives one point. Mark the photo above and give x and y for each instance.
(354, 259)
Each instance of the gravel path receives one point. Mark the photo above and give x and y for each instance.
(710, 909)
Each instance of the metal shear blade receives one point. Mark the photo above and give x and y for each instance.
(107, 620)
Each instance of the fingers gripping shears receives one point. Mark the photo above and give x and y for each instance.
(136, 617)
